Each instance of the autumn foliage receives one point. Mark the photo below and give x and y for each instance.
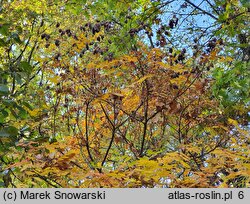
(94, 100)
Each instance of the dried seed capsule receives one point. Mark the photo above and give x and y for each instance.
(62, 33)
(171, 23)
(43, 35)
(175, 86)
(57, 43)
(47, 37)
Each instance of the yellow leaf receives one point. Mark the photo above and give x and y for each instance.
(226, 59)
(147, 164)
(131, 102)
(91, 65)
(54, 79)
(130, 58)
(34, 112)
(213, 55)
(181, 79)
(92, 145)
(142, 79)
(232, 122)
(29, 173)
(163, 65)
(178, 68)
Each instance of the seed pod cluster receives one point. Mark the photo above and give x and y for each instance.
(57, 42)
(211, 45)
(88, 29)
(173, 22)
(45, 36)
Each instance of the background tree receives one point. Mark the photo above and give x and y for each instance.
(127, 94)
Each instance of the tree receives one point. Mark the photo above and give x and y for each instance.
(119, 97)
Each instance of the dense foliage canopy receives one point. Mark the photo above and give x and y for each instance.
(106, 93)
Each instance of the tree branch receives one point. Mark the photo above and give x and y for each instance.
(211, 15)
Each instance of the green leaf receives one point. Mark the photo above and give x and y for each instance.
(8, 132)
(18, 78)
(22, 113)
(16, 37)
(4, 90)
(2, 43)
(27, 105)
(26, 67)
(9, 103)
(4, 29)
(3, 115)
